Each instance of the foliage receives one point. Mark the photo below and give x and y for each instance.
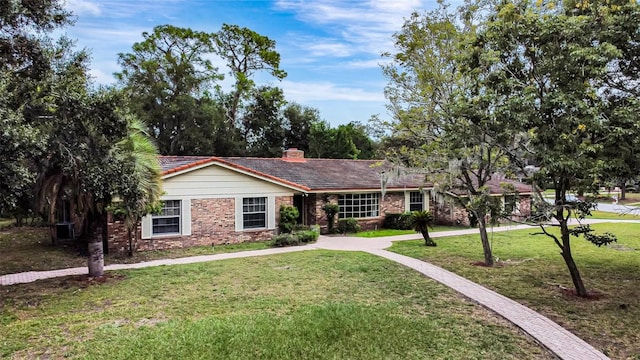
(347, 141)
(421, 221)
(547, 69)
(245, 52)
(285, 239)
(439, 126)
(348, 226)
(330, 212)
(288, 218)
(399, 221)
(307, 236)
(298, 237)
(166, 77)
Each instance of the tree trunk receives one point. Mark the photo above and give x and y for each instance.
(96, 256)
(623, 191)
(568, 259)
(486, 247)
(427, 239)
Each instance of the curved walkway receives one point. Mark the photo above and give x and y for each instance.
(551, 335)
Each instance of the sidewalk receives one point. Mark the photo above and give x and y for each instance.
(551, 335)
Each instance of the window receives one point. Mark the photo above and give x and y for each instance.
(359, 205)
(510, 204)
(254, 213)
(168, 221)
(416, 201)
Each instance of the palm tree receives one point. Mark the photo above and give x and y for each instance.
(421, 221)
(138, 153)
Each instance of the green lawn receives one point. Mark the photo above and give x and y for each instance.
(609, 215)
(393, 232)
(309, 305)
(29, 249)
(533, 273)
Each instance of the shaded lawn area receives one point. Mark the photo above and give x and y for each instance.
(533, 273)
(29, 249)
(309, 305)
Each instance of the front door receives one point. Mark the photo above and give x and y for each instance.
(298, 202)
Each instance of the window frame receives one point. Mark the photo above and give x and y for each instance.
(515, 206)
(412, 202)
(265, 212)
(359, 205)
(176, 205)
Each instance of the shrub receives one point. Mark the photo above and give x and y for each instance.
(397, 221)
(421, 221)
(297, 238)
(348, 225)
(288, 218)
(307, 236)
(330, 210)
(284, 240)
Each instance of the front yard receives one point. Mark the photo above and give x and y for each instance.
(532, 272)
(309, 305)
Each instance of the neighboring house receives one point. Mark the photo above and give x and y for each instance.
(220, 200)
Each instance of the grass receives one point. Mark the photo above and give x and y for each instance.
(609, 215)
(308, 305)
(29, 249)
(534, 274)
(394, 232)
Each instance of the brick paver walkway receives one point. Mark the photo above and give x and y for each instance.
(551, 335)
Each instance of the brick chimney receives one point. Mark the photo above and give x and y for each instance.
(293, 155)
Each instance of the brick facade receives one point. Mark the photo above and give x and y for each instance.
(212, 223)
(393, 202)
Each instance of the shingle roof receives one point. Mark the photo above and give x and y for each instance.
(321, 174)
(331, 174)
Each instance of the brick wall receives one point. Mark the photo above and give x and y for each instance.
(212, 223)
(393, 202)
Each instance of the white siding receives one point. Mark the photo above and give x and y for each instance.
(215, 181)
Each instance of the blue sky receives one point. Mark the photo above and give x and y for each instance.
(329, 48)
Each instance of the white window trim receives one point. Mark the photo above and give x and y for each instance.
(365, 217)
(271, 213)
(407, 200)
(185, 221)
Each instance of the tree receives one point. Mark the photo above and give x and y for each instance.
(421, 221)
(167, 76)
(440, 125)
(139, 193)
(298, 121)
(245, 52)
(24, 62)
(263, 126)
(546, 67)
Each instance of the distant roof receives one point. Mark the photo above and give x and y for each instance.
(322, 174)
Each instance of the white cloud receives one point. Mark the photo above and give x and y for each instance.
(335, 49)
(83, 7)
(304, 92)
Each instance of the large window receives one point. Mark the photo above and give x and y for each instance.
(254, 213)
(168, 221)
(416, 201)
(359, 205)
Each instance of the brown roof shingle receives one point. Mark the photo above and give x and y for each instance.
(322, 174)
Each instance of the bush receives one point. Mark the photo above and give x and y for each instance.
(307, 236)
(285, 240)
(349, 225)
(397, 221)
(288, 218)
(300, 237)
(330, 210)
